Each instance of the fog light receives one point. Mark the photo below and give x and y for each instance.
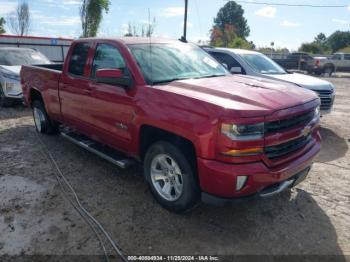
(241, 180)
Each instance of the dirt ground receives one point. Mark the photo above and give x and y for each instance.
(36, 218)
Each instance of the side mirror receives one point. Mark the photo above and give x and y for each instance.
(236, 70)
(113, 77)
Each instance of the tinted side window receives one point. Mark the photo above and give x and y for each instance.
(347, 56)
(336, 57)
(78, 59)
(226, 59)
(107, 57)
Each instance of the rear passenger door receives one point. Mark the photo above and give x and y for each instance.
(74, 90)
(113, 110)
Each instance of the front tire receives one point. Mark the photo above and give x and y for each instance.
(43, 123)
(170, 177)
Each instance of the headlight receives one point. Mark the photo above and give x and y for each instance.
(13, 88)
(317, 111)
(243, 132)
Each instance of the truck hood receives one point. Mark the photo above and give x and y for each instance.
(248, 96)
(305, 81)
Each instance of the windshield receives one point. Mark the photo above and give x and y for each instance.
(22, 57)
(263, 64)
(161, 63)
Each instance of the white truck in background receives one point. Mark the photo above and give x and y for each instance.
(339, 62)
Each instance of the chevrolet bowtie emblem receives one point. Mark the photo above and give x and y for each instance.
(306, 131)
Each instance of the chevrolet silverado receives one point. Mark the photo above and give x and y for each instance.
(200, 132)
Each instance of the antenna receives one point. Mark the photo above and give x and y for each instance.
(184, 37)
(150, 43)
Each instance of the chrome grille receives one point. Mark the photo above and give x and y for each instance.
(326, 97)
(276, 151)
(280, 125)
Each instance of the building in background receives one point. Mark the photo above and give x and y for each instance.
(54, 48)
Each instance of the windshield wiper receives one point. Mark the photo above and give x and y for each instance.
(208, 76)
(167, 81)
(179, 78)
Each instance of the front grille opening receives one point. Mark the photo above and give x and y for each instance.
(273, 152)
(281, 125)
(326, 98)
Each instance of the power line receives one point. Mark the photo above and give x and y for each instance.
(75, 201)
(291, 5)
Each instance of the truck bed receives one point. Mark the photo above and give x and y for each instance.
(56, 67)
(45, 79)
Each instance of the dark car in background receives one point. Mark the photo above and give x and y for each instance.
(11, 60)
(296, 60)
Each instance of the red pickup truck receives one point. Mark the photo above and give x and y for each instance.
(199, 131)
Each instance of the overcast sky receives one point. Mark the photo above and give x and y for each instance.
(286, 26)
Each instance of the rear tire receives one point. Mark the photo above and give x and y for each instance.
(43, 123)
(328, 71)
(4, 101)
(171, 177)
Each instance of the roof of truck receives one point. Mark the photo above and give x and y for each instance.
(233, 50)
(134, 40)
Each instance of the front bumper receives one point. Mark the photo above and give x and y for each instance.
(219, 179)
(267, 192)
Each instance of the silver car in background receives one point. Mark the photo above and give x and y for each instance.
(11, 60)
(239, 61)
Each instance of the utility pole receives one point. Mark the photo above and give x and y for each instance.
(184, 37)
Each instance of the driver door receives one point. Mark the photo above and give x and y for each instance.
(112, 109)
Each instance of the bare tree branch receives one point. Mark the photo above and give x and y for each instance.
(19, 20)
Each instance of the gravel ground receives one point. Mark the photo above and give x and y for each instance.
(36, 218)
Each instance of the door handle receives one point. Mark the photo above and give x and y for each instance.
(88, 91)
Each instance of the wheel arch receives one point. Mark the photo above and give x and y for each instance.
(331, 65)
(150, 134)
(35, 94)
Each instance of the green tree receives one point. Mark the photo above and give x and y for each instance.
(91, 12)
(320, 45)
(345, 50)
(222, 38)
(228, 38)
(2, 25)
(232, 14)
(338, 40)
(314, 48)
(241, 43)
(321, 39)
